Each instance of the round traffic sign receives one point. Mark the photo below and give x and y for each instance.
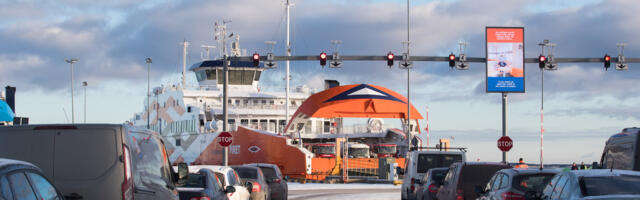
(224, 139)
(505, 143)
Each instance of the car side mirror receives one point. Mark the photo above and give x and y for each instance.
(248, 185)
(479, 189)
(532, 195)
(229, 189)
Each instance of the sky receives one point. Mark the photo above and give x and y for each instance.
(584, 104)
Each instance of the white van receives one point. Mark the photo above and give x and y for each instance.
(417, 163)
(622, 150)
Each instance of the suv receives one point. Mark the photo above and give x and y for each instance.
(622, 150)
(95, 161)
(277, 183)
(593, 184)
(515, 183)
(419, 162)
(463, 177)
(22, 180)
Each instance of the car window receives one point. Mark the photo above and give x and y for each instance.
(495, 184)
(610, 185)
(44, 188)
(21, 187)
(215, 181)
(488, 187)
(437, 176)
(566, 190)
(532, 182)
(5, 188)
(233, 178)
(269, 173)
(151, 166)
(505, 181)
(220, 177)
(549, 188)
(428, 161)
(195, 181)
(245, 173)
(558, 188)
(448, 178)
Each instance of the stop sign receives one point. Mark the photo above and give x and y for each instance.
(505, 143)
(224, 139)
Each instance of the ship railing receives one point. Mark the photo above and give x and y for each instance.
(462, 149)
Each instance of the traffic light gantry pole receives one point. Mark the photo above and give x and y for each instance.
(426, 58)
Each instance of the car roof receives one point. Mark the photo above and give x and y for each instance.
(438, 168)
(603, 172)
(436, 152)
(6, 164)
(525, 171)
(262, 165)
(215, 168)
(244, 167)
(480, 163)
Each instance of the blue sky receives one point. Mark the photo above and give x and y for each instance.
(583, 103)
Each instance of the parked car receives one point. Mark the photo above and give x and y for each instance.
(431, 181)
(95, 161)
(622, 150)
(593, 184)
(513, 183)
(22, 180)
(463, 177)
(278, 189)
(203, 185)
(254, 178)
(228, 177)
(417, 163)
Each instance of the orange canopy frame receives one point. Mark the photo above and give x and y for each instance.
(355, 101)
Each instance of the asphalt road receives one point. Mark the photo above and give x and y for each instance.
(347, 194)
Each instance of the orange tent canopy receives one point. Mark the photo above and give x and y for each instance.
(355, 101)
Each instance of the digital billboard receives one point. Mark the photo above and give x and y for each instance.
(505, 59)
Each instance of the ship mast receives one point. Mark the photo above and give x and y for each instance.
(184, 62)
(288, 50)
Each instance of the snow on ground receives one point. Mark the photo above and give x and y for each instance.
(319, 191)
(323, 186)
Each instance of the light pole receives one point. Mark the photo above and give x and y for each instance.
(71, 61)
(148, 61)
(84, 84)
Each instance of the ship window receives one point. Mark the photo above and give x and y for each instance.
(271, 102)
(255, 102)
(189, 109)
(246, 102)
(327, 126)
(219, 75)
(244, 122)
(247, 77)
(211, 74)
(237, 102)
(318, 126)
(257, 76)
(201, 75)
(178, 142)
(264, 101)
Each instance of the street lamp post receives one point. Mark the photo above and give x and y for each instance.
(84, 84)
(148, 61)
(71, 61)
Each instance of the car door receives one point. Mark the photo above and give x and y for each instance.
(20, 186)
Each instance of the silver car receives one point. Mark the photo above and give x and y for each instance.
(428, 186)
(514, 183)
(593, 184)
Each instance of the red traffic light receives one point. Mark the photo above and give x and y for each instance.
(607, 61)
(256, 59)
(390, 59)
(542, 59)
(452, 60)
(323, 59)
(607, 58)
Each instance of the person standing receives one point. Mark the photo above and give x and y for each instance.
(582, 166)
(521, 164)
(574, 166)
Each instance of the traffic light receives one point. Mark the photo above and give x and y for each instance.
(390, 59)
(542, 61)
(607, 61)
(256, 59)
(323, 59)
(452, 60)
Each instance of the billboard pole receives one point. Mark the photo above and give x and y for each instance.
(504, 123)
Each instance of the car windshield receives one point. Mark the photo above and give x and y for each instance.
(324, 149)
(247, 173)
(532, 182)
(610, 185)
(428, 161)
(195, 181)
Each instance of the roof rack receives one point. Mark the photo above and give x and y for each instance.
(462, 149)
